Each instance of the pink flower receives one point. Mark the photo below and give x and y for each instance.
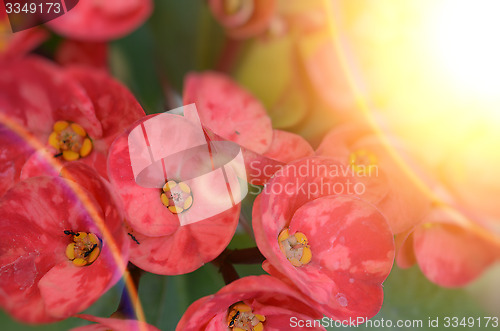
(113, 324)
(102, 20)
(317, 236)
(251, 303)
(387, 185)
(243, 19)
(170, 225)
(234, 114)
(450, 250)
(63, 245)
(71, 114)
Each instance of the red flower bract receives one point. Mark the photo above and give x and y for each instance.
(351, 245)
(167, 240)
(449, 251)
(35, 94)
(267, 296)
(234, 114)
(40, 218)
(102, 20)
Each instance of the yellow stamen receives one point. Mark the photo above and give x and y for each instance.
(70, 251)
(78, 129)
(86, 147)
(70, 155)
(363, 162)
(295, 248)
(60, 125)
(188, 202)
(176, 196)
(70, 140)
(258, 327)
(241, 317)
(184, 187)
(85, 248)
(175, 209)
(164, 200)
(169, 185)
(53, 141)
(306, 255)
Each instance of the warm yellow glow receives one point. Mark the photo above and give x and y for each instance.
(464, 34)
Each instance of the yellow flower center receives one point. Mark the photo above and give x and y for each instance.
(84, 249)
(70, 140)
(176, 196)
(241, 318)
(363, 162)
(295, 247)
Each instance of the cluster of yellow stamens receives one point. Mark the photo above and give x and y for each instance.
(84, 249)
(241, 318)
(363, 162)
(295, 247)
(71, 140)
(177, 197)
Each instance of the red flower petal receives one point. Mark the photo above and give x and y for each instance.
(14, 152)
(452, 256)
(229, 110)
(334, 227)
(102, 21)
(165, 246)
(36, 93)
(266, 295)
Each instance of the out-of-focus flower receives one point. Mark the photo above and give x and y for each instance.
(337, 250)
(102, 20)
(234, 114)
(76, 113)
(105, 324)
(251, 303)
(309, 90)
(243, 18)
(170, 228)
(386, 184)
(16, 45)
(91, 54)
(62, 247)
(450, 250)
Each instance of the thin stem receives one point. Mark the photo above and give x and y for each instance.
(229, 55)
(250, 255)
